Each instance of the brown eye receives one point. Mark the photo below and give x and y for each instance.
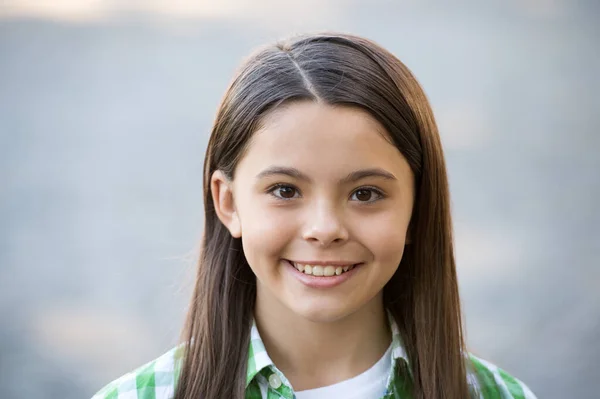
(284, 192)
(287, 192)
(363, 195)
(367, 195)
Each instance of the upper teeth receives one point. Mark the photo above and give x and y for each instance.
(318, 270)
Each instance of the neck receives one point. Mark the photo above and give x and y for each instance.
(314, 354)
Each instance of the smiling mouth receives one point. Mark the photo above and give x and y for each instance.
(322, 270)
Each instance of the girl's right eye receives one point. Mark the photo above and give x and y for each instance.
(284, 192)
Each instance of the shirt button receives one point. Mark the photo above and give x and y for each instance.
(274, 381)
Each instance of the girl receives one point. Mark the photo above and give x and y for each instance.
(327, 267)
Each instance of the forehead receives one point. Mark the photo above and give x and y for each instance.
(321, 138)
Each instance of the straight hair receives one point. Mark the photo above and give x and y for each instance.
(422, 296)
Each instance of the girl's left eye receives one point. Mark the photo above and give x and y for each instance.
(366, 195)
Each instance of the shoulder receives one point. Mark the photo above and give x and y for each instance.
(154, 380)
(489, 381)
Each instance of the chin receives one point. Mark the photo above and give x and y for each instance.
(321, 314)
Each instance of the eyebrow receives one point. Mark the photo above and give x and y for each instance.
(350, 178)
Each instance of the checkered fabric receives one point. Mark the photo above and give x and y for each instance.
(157, 379)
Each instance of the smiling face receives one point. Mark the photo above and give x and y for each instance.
(319, 186)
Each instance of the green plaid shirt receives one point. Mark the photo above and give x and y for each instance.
(157, 379)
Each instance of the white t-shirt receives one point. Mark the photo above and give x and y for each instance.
(369, 385)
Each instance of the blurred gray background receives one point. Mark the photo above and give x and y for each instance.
(105, 108)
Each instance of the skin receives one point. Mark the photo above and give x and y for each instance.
(341, 331)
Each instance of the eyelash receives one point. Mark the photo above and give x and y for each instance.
(380, 195)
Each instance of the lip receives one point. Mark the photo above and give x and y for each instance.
(324, 263)
(321, 282)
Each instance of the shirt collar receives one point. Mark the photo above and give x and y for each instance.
(258, 359)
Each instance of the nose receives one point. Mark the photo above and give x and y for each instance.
(325, 226)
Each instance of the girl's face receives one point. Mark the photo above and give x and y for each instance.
(320, 186)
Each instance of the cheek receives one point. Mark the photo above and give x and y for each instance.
(266, 232)
(385, 237)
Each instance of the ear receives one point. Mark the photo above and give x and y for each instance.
(222, 196)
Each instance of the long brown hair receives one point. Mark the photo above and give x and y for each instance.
(422, 295)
